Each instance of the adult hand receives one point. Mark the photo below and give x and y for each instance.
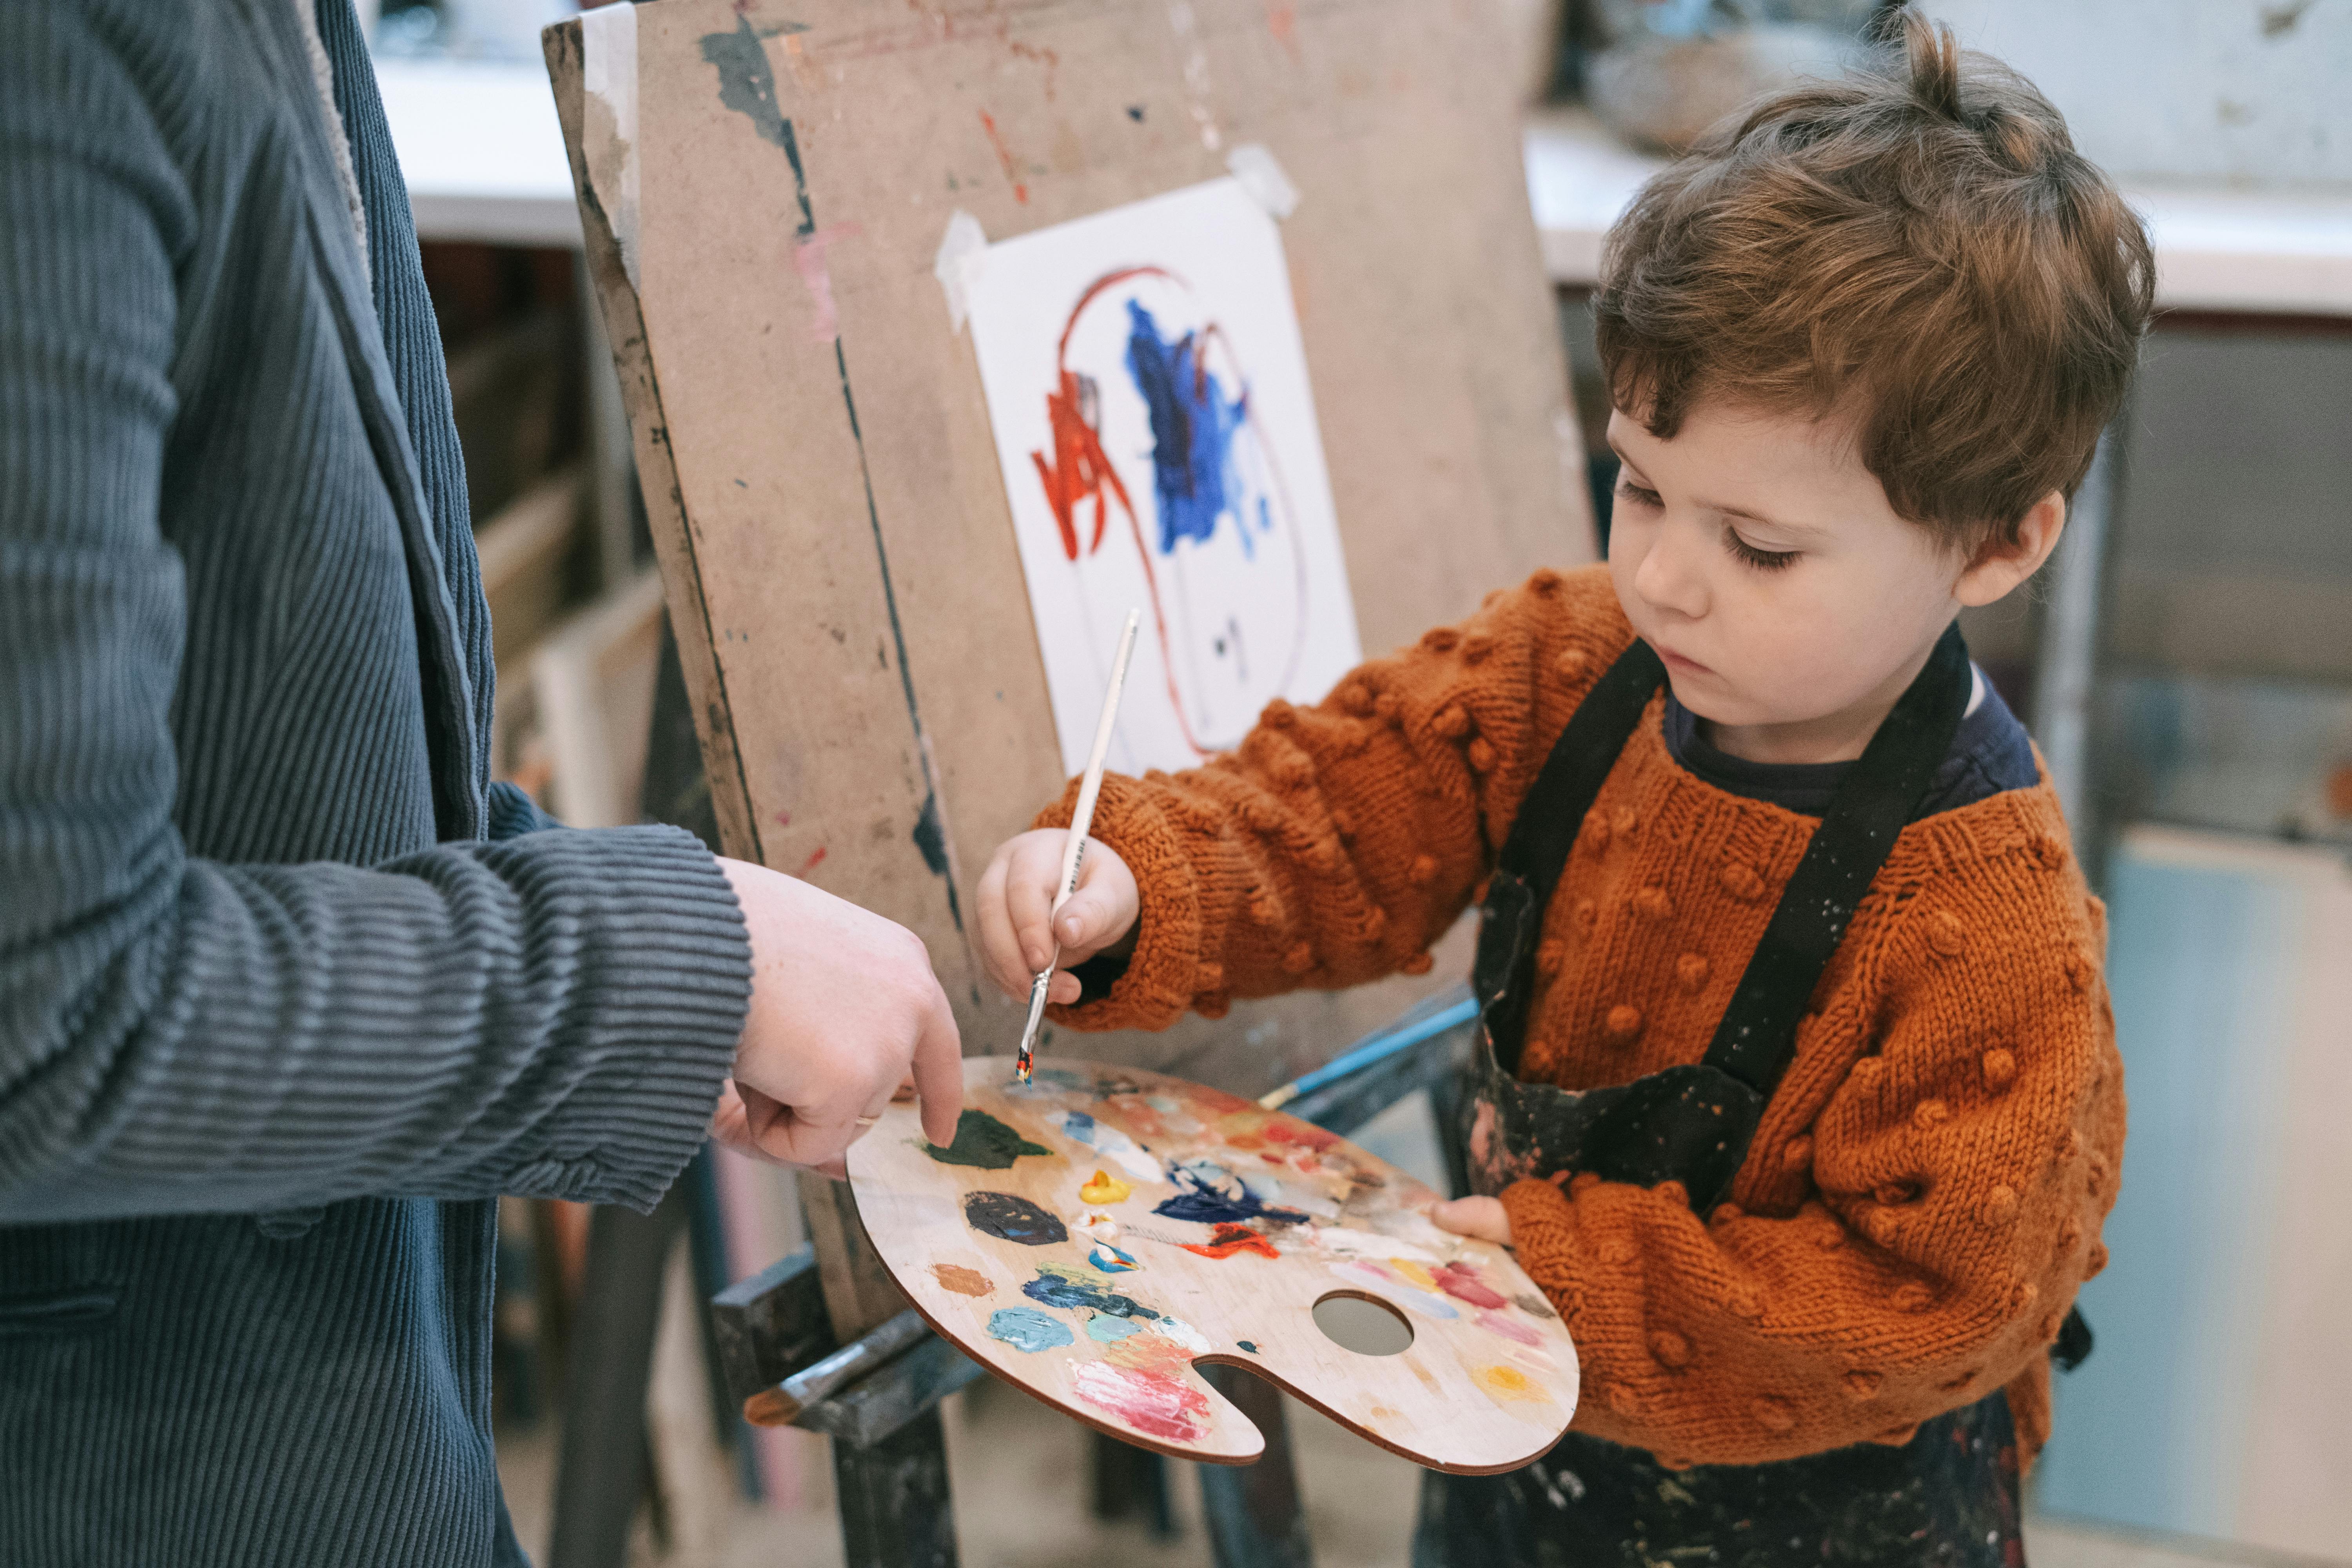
(1485, 1219)
(844, 1005)
(1018, 925)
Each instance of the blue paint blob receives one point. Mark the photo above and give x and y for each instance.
(1027, 1329)
(1110, 1259)
(1106, 1331)
(1247, 1346)
(1194, 423)
(1057, 1290)
(1208, 1193)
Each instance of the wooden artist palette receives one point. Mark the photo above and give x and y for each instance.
(1226, 1225)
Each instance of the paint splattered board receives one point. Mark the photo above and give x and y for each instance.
(1092, 1235)
(765, 187)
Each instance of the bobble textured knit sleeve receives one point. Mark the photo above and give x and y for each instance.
(1338, 842)
(1923, 1196)
(551, 1014)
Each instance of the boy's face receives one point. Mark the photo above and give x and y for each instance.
(1790, 603)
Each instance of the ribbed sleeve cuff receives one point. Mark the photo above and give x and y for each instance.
(1543, 1231)
(1165, 972)
(662, 965)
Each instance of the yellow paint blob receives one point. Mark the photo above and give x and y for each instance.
(1510, 1382)
(1104, 1189)
(1413, 1271)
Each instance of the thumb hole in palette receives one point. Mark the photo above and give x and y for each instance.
(1359, 1323)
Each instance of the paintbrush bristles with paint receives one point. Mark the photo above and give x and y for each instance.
(1080, 820)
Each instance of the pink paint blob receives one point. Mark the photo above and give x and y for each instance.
(1154, 1403)
(1495, 1323)
(1461, 1282)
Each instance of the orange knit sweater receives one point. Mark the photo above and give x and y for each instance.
(1924, 1196)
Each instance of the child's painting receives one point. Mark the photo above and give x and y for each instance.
(1092, 1236)
(1148, 387)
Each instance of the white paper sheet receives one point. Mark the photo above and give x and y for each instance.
(1147, 388)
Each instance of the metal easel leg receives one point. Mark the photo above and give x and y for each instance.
(1254, 1513)
(896, 1508)
(602, 1465)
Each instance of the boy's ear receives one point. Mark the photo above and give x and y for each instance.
(2002, 562)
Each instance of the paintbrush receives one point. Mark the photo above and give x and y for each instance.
(1080, 820)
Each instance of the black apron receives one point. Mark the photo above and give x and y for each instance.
(1949, 1496)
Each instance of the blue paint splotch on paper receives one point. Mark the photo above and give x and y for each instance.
(1194, 423)
(1027, 1329)
(1208, 1193)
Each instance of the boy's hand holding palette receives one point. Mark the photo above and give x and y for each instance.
(1091, 1235)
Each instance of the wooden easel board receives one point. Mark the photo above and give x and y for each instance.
(765, 187)
(1227, 1225)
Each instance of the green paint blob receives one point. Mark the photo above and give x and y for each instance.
(1108, 1330)
(982, 1141)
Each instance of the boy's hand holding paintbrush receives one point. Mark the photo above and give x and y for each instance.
(1019, 925)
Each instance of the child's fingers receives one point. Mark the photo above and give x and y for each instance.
(999, 948)
(1065, 989)
(1029, 891)
(1485, 1219)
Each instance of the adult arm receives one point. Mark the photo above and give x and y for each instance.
(551, 1014)
(1338, 842)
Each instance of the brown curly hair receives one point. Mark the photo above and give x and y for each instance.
(1919, 248)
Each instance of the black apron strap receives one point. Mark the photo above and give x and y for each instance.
(1877, 795)
(1690, 1123)
(1536, 850)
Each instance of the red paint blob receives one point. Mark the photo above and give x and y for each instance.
(1154, 1403)
(1303, 1133)
(1230, 1239)
(1461, 1282)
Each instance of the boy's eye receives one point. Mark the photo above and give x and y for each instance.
(1761, 560)
(1628, 490)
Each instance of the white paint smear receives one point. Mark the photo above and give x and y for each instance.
(1262, 176)
(608, 70)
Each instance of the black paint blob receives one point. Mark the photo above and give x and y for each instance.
(1010, 1218)
(982, 1141)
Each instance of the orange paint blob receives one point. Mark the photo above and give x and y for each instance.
(963, 1282)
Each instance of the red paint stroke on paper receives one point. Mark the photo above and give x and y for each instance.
(783, 819)
(808, 258)
(1154, 1403)
(813, 862)
(1004, 156)
(1461, 1282)
(1229, 1238)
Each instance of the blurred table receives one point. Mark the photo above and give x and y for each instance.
(2265, 253)
(481, 150)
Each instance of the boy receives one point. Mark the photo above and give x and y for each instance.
(1803, 1102)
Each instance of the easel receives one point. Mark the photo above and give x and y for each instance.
(762, 196)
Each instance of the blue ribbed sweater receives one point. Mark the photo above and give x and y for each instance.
(288, 991)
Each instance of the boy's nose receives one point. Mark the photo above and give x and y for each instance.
(1669, 577)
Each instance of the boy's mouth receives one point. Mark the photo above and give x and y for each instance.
(1678, 663)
